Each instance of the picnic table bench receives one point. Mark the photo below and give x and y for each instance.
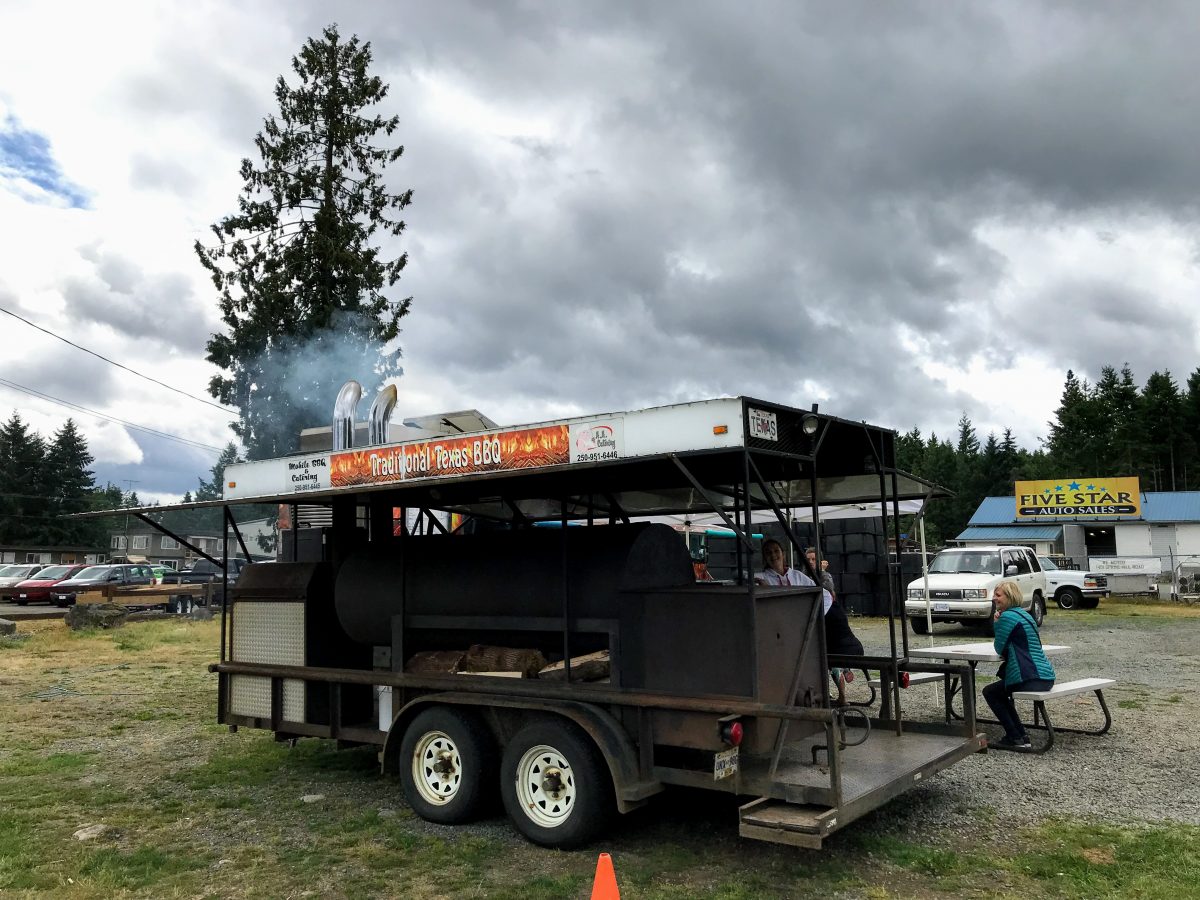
(975, 653)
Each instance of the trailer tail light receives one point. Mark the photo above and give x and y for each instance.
(904, 679)
(732, 732)
(720, 429)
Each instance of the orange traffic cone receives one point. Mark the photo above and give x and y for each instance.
(605, 885)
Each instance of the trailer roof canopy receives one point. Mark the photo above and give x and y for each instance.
(693, 457)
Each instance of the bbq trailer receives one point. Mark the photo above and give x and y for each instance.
(539, 543)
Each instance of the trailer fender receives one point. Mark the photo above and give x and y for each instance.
(610, 738)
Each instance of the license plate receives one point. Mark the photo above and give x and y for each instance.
(725, 764)
(941, 607)
(23, 596)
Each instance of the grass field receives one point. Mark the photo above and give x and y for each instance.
(116, 729)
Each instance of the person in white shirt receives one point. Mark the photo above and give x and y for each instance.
(778, 574)
(838, 636)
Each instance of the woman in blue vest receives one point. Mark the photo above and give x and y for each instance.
(1024, 666)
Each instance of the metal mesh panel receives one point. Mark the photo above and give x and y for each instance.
(272, 634)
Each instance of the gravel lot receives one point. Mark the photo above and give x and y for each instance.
(1147, 768)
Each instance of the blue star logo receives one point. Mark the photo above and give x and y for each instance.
(1073, 486)
(1091, 487)
(1057, 487)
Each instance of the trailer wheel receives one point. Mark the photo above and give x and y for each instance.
(447, 763)
(556, 787)
(1068, 598)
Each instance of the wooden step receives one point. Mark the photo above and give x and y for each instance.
(780, 822)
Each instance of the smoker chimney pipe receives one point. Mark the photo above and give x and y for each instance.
(381, 416)
(343, 415)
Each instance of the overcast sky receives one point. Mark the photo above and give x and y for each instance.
(903, 212)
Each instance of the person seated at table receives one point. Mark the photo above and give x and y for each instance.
(826, 579)
(838, 636)
(1024, 666)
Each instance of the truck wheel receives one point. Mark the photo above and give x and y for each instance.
(556, 787)
(1068, 598)
(447, 764)
(1038, 610)
(1089, 602)
(919, 625)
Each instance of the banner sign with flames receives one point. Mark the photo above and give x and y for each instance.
(526, 448)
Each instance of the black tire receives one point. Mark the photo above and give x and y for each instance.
(1038, 610)
(989, 625)
(459, 741)
(1068, 597)
(919, 625)
(22, 603)
(582, 803)
(1089, 602)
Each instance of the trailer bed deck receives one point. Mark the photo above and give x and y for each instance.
(872, 773)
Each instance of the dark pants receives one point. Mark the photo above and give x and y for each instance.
(999, 697)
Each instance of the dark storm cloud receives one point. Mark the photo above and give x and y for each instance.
(155, 308)
(166, 467)
(1088, 324)
(713, 198)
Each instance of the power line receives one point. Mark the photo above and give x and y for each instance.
(99, 415)
(117, 364)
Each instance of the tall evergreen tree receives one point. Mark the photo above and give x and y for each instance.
(24, 510)
(1191, 432)
(70, 484)
(299, 277)
(1162, 424)
(1074, 441)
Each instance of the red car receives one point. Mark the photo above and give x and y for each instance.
(37, 589)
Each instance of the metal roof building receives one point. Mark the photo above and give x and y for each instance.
(1154, 542)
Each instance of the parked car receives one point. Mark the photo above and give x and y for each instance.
(1072, 589)
(93, 577)
(961, 581)
(37, 588)
(10, 575)
(205, 572)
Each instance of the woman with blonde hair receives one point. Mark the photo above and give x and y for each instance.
(1024, 666)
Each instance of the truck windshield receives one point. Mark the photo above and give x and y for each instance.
(977, 563)
(1047, 564)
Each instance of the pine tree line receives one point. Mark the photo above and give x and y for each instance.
(1108, 429)
(42, 481)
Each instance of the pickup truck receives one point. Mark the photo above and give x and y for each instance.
(95, 577)
(1072, 589)
(205, 572)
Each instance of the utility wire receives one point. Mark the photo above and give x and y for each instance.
(99, 415)
(117, 364)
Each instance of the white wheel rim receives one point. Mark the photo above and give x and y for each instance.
(546, 786)
(436, 768)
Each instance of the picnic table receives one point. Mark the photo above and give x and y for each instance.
(972, 653)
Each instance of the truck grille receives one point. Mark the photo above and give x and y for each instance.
(946, 595)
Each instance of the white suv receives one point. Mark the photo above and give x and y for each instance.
(961, 581)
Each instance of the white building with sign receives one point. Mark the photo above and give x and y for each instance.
(1133, 551)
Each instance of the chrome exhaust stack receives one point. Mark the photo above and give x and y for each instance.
(343, 415)
(381, 416)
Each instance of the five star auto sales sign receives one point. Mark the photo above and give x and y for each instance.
(1078, 497)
